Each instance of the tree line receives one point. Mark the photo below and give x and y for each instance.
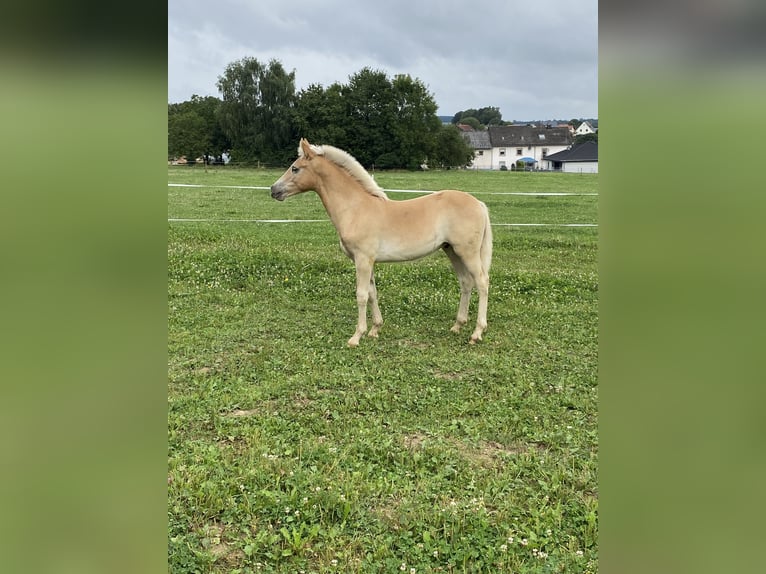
(384, 122)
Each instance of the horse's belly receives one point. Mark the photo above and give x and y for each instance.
(396, 251)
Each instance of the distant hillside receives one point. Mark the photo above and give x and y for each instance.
(592, 121)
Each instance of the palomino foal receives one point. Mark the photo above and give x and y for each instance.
(374, 228)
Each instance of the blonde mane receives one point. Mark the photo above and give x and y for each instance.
(348, 162)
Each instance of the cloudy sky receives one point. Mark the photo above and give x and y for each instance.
(532, 59)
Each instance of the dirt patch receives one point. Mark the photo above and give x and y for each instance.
(414, 441)
(448, 376)
(243, 413)
(488, 453)
(220, 550)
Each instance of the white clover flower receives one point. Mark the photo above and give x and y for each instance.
(504, 548)
(524, 541)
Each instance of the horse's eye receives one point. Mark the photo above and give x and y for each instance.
(295, 169)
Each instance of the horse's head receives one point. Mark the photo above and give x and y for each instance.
(299, 177)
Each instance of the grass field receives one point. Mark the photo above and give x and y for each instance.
(415, 452)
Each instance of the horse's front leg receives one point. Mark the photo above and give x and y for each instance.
(363, 277)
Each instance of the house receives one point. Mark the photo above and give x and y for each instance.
(482, 149)
(584, 128)
(582, 158)
(528, 146)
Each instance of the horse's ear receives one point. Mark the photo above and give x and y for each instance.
(308, 153)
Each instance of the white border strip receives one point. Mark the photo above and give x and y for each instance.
(391, 190)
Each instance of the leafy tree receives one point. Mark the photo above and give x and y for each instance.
(586, 138)
(416, 125)
(473, 122)
(369, 103)
(451, 150)
(193, 128)
(187, 134)
(390, 123)
(258, 109)
(321, 115)
(487, 116)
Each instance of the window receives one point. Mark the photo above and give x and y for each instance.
(518, 151)
(541, 136)
(480, 152)
(502, 151)
(545, 151)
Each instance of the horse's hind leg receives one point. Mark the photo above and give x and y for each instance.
(377, 317)
(466, 287)
(480, 277)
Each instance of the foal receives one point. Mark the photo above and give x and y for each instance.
(374, 228)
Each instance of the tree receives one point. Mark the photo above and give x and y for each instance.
(473, 122)
(416, 124)
(487, 116)
(369, 103)
(586, 138)
(390, 123)
(321, 115)
(193, 128)
(258, 110)
(451, 149)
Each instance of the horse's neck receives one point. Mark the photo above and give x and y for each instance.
(342, 195)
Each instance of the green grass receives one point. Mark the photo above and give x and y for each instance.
(290, 452)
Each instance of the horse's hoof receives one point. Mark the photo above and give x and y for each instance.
(352, 343)
(455, 328)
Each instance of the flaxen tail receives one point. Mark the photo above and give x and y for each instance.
(486, 243)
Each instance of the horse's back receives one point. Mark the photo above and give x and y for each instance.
(460, 204)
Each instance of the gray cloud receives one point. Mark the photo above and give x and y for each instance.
(533, 60)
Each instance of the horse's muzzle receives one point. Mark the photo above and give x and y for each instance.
(277, 194)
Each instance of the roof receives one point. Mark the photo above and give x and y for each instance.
(586, 151)
(507, 136)
(477, 140)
